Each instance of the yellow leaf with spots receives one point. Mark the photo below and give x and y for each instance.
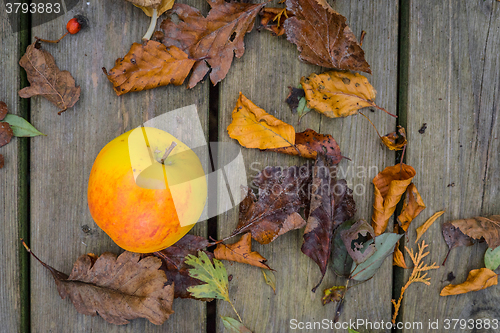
(255, 128)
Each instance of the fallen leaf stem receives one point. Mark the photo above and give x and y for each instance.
(376, 130)
(152, 25)
(168, 151)
(234, 310)
(51, 41)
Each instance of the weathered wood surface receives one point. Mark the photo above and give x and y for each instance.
(454, 71)
(61, 162)
(270, 64)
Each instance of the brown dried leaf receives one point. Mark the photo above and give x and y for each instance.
(213, 41)
(149, 65)
(395, 140)
(323, 37)
(398, 259)
(282, 194)
(412, 206)
(331, 205)
(478, 279)
(255, 128)
(423, 228)
(454, 238)
(6, 133)
(481, 227)
(390, 184)
(2, 161)
(351, 236)
(3, 110)
(272, 19)
(241, 251)
(47, 79)
(309, 144)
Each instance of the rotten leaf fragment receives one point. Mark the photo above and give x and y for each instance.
(323, 37)
(3, 110)
(6, 133)
(212, 41)
(149, 65)
(454, 238)
(119, 289)
(255, 128)
(297, 102)
(423, 228)
(338, 94)
(241, 251)
(389, 184)
(331, 205)
(395, 140)
(357, 249)
(341, 260)
(481, 228)
(333, 294)
(412, 206)
(281, 196)
(47, 80)
(477, 279)
(272, 19)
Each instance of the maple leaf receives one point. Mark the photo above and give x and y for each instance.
(331, 205)
(478, 279)
(395, 140)
(390, 184)
(412, 206)
(481, 227)
(6, 133)
(117, 288)
(149, 65)
(281, 196)
(272, 19)
(338, 94)
(47, 79)
(241, 251)
(214, 40)
(255, 128)
(323, 37)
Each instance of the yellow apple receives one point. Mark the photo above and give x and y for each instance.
(145, 203)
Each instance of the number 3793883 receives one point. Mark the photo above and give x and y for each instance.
(33, 8)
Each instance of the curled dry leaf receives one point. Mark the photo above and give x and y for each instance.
(3, 110)
(398, 259)
(282, 194)
(390, 184)
(395, 140)
(47, 79)
(149, 65)
(241, 251)
(477, 279)
(333, 294)
(331, 205)
(6, 133)
(412, 206)
(360, 252)
(423, 228)
(309, 144)
(117, 288)
(323, 37)
(213, 41)
(255, 128)
(481, 227)
(272, 19)
(338, 94)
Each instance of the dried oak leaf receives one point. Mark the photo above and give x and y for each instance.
(481, 227)
(390, 184)
(3, 110)
(412, 206)
(309, 144)
(47, 79)
(477, 279)
(118, 289)
(272, 19)
(149, 65)
(395, 140)
(338, 94)
(176, 269)
(331, 205)
(323, 37)
(6, 133)
(255, 128)
(241, 251)
(282, 194)
(350, 237)
(213, 41)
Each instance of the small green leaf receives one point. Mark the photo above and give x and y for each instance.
(234, 326)
(270, 279)
(341, 260)
(302, 109)
(20, 126)
(492, 258)
(350, 330)
(384, 245)
(214, 275)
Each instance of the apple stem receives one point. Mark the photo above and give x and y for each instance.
(167, 152)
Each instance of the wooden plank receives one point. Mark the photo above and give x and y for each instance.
(61, 162)
(268, 67)
(12, 196)
(454, 87)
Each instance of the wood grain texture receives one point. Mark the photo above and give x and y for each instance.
(267, 68)
(454, 87)
(61, 225)
(10, 175)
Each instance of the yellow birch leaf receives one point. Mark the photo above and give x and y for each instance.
(412, 206)
(478, 279)
(423, 228)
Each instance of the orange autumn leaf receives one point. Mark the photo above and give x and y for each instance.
(412, 206)
(255, 128)
(149, 65)
(395, 140)
(478, 279)
(390, 184)
(272, 19)
(398, 259)
(241, 251)
(423, 228)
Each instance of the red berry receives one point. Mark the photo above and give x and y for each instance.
(73, 26)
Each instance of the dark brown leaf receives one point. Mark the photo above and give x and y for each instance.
(212, 41)
(6, 133)
(350, 237)
(3, 110)
(47, 79)
(282, 194)
(241, 251)
(481, 228)
(323, 37)
(309, 144)
(454, 237)
(272, 19)
(293, 98)
(331, 205)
